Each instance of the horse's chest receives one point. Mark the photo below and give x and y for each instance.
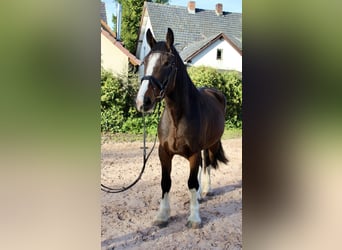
(179, 136)
(176, 145)
(180, 141)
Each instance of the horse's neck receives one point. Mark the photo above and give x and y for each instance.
(178, 102)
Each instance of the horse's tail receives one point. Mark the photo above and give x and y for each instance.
(219, 155)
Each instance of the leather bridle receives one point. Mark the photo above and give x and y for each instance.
(161, 85)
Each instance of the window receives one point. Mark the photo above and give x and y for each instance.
(219, 54)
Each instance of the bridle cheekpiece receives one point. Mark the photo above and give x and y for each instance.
(161, 85)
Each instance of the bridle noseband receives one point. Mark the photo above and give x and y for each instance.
(161, 85)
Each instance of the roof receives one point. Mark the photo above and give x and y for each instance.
(111, 36)
(197, 28)
(195, 48)
(103, 14)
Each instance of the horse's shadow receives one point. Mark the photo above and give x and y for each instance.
(155, 232)
(220, 191)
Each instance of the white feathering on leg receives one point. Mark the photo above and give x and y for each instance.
(206, 181)
(194, 208)
(164, 209)
(199, 176)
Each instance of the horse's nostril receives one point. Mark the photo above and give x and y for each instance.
(147, 101)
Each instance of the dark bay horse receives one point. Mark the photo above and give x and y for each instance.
(193, 120)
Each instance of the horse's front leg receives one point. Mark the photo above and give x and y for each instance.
(194, 220)
(163, 215)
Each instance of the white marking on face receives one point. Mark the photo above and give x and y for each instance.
(144, 85)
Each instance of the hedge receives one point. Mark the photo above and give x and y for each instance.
(119, 115)
(230, 83)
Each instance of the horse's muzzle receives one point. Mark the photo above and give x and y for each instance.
(144, 104)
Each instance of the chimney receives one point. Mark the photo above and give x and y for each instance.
(218, 9)
(191, 7)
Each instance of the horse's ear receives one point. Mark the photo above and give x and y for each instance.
(150, 39)
(169, 38)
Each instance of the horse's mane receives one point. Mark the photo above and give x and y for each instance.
(161, 46)
(182, 71)
(180, 65)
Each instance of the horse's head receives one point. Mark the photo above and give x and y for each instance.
(159, 72)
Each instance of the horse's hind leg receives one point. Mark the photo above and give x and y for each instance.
(206, 180)
(163, 215)
(211, 157)
(199, 178)
(194, 220)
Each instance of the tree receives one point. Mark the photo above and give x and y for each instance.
(131, 15)
(160, 1)
(114, 22)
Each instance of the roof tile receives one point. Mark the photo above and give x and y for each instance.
(191, 30)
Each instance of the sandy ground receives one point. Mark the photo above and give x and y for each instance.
(127, 217)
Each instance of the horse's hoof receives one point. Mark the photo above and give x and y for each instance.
(160, 224)
(193, 224)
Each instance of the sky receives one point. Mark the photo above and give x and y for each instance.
(228, 5)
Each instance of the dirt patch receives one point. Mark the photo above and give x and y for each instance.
(127, 217)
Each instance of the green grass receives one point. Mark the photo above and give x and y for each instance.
(232, 133)
(124, 137)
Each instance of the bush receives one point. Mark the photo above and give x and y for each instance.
(230, 83)
(117, 96)
(233, 92)
(118, 112)
(119, 115)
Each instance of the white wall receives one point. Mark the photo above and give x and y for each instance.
(112, 58)
(145, 48)
(231, 59)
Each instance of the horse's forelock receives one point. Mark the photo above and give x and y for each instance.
(160, 46)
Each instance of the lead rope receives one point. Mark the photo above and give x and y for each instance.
(145, 158)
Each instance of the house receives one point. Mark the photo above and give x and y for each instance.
(202, 37)
(114, 56)
(103, 13)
